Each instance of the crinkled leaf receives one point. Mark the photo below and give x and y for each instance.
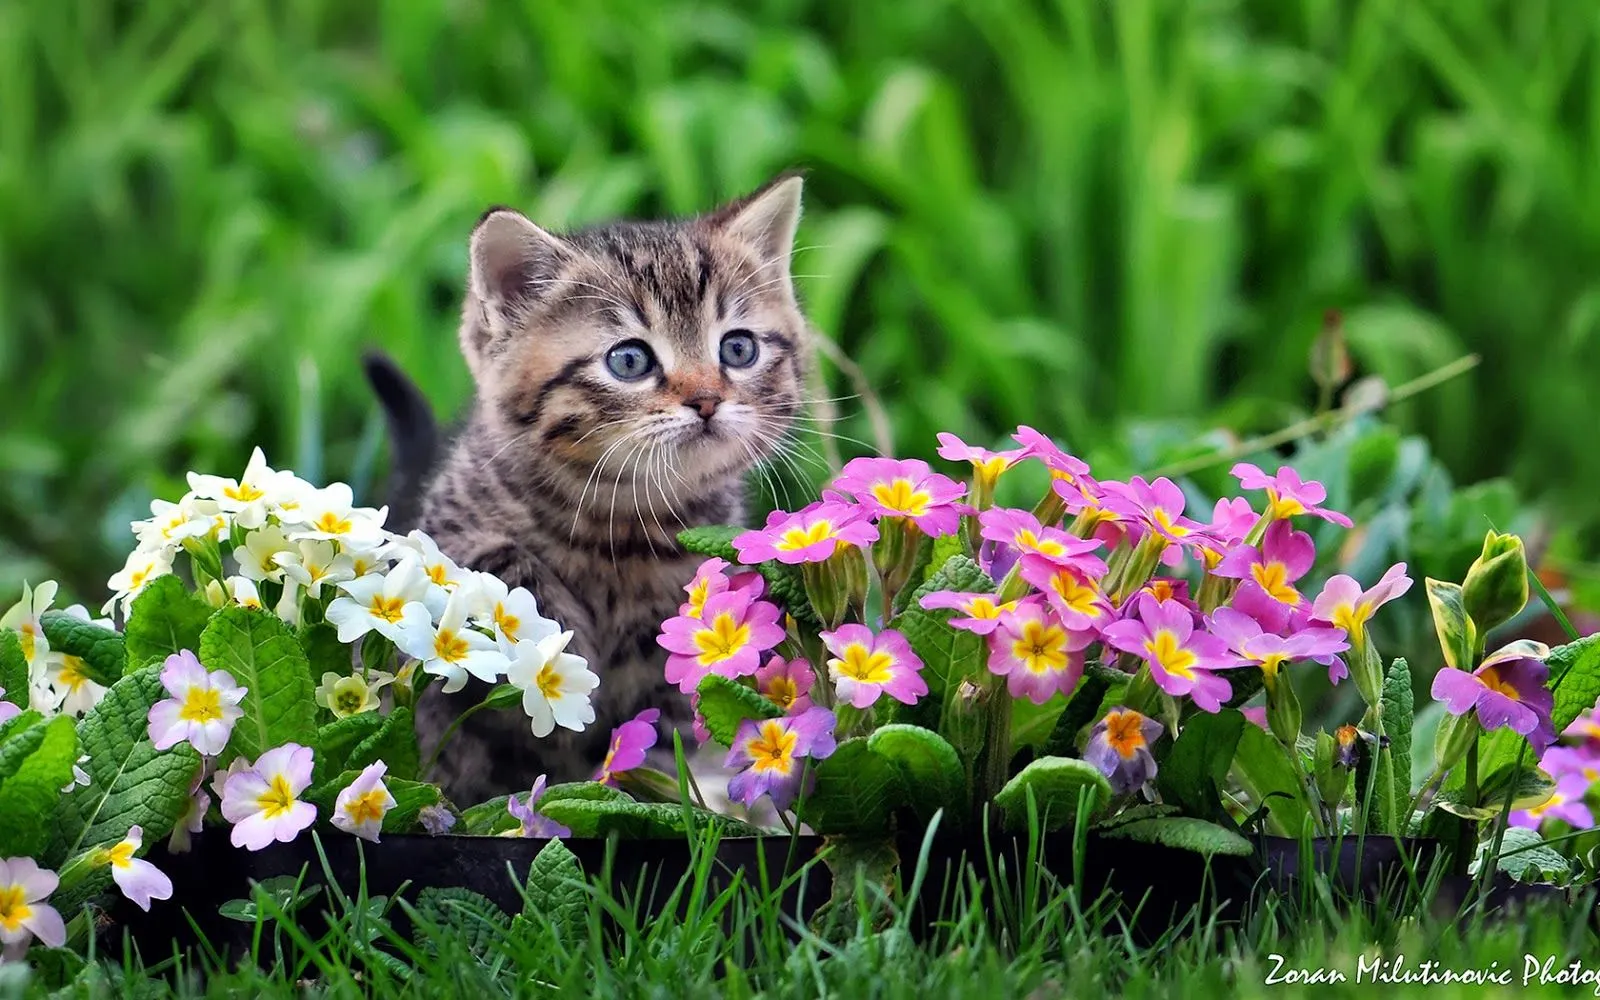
(1132, 814)
(930, 770)
(945, 548)
(947, 654)
(336, 742)
(633, 820)
(262, 654)
(131, 783)
(1185, 833)
(13, 669)
(1399, 715)
(1192, 773)
(323, 650)
(101, 649)
(1525, 787)
(855, 791)
(1055, 784)
(33, 767)
(585, 791)
(394, 743)
(1533, 862)
(19, 724)
(1260, 765)
(460, 915)
(725, 703)
(785, 585)
(1451, 623)
(959, 573)
(555, 892)
(163, 619)
(487, 818)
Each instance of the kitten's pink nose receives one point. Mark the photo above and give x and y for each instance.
(704, 403)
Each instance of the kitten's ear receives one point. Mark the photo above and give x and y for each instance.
(511, 259)
(766, 219)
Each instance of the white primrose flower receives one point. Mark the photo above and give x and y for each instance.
(513, 614)
(258, 556)
(135, 575)
(361, 805)
(288, 606)
(72, 692)
(313, 563)
(247, 499)
(555, 684)
(392, 604)
(244, 593)
(330, 514)
(441, 569)
(170, 524)
(25, 616)
(456, 650)
(351, 694)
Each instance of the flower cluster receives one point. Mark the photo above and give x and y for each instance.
(57, 681)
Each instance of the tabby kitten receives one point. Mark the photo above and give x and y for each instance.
(627, 378)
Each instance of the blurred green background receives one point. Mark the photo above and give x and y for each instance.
(1118, 221)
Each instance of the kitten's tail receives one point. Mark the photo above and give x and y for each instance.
(413, 437)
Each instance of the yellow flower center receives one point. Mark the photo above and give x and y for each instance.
(29, 634)
(1028, 539)
(278, 799)
(201, 705)
(120, 856)
(450, 647)
(721, 640)
(243, 493)
(389, 609)
(985, 608)
(367, 808)
(782, 691)
(1351, 617)
(1282, 508)
(902, 497)
(549, 683)
(1041, 647)
(773, 747)
(14, 908)
(697, 597)
(1555, 799)
(796, 539)
(349, 697)
(332, 524)
(508, 622)
(1494, 682)
(1165, 523)
(71, 673)
(1125, 733)
(1081, 597)
(1164, 648)
(1270, 665)
(866, 667)
(439, 573)
(1274, 579)
(989, 470)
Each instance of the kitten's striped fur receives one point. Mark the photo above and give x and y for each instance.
(574, 483)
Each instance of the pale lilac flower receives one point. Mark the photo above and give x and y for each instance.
(769, 755)
(629, 744)
(1287, 494)
(138, 879)
(865, 666)
(809, 535)
(363, 803)
(1119, 747)
(191, 822)
(436, 820)
(1036, 654)
(24, 887)
(531, 822)
(202, 710)
(263, 803)
(905, 488)
(8, 711)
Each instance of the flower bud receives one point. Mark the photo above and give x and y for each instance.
(826, 590)
(1283, 711)
(1329, 773)
(1496, 588)
(1366, 669)
(1455, 737)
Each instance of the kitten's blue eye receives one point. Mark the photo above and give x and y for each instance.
(631, 360)
(739, 349)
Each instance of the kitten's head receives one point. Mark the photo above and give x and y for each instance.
(640, 342)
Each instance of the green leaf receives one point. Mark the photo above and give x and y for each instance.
(929, 768)
(1033, 725)
(264, 656)
(863, 868)
(581, 791)
(491, 817)
(1398, 712)
(164, 619)
(785, 584)
(1525, 788)
(395, 743)
(19, 724)
(323, 650)
(1575, 675)
(1451, 623)
(1263, 769)
(726, 703)
(131, 783)
(1534, 861)
(486, 819)
(13, 669)
(1185, 833)
(855, 791)
(504, 696)
(34, 765)
(336, 742)
(555, 893)
(634, 820)
(459, 916)
(1132, 814)
(1193, 772)
(1083, 707)
(1054, 783)
(101, 649)
(945, 548)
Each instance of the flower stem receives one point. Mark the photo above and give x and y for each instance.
(996, 746)
(450, 731)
